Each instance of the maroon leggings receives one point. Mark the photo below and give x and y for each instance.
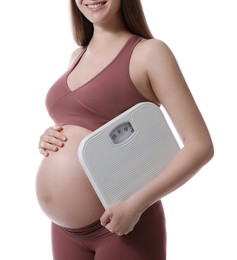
(94, 242)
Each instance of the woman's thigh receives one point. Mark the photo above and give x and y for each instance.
(68, 247)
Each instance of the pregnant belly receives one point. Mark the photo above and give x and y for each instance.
(63, 190)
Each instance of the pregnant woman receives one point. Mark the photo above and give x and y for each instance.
(117, 65)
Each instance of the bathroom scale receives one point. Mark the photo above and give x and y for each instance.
(126, 153)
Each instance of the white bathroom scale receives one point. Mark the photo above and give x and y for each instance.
(123, 155)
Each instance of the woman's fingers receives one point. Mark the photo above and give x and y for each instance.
(51, 140)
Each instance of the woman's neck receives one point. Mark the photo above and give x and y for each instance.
(109, 34)
(103, 39)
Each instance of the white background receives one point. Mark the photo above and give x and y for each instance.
(36, 44)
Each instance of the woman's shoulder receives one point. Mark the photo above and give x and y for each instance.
(75, 54)
(152, 46)
(154, 50)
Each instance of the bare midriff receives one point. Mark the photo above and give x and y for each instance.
(62, 187)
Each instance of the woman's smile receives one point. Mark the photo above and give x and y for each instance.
(100, 12)
(96, 6)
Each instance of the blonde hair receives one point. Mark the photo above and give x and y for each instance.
(132, 13)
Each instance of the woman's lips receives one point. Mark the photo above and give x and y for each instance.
(95, 6)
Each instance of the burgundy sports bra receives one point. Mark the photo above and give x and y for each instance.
(101, 99)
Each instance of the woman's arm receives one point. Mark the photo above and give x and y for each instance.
(172, 92)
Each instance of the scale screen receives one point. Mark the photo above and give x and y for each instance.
(123, 155)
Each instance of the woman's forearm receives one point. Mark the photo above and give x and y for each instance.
(183, 167)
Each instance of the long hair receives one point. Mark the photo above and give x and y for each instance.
(132, 14)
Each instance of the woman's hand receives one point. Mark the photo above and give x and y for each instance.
(51, 140)
(121, 217)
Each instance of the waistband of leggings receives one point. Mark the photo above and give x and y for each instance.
(86, 229)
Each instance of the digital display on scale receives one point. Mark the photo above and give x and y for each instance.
(121, 133)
